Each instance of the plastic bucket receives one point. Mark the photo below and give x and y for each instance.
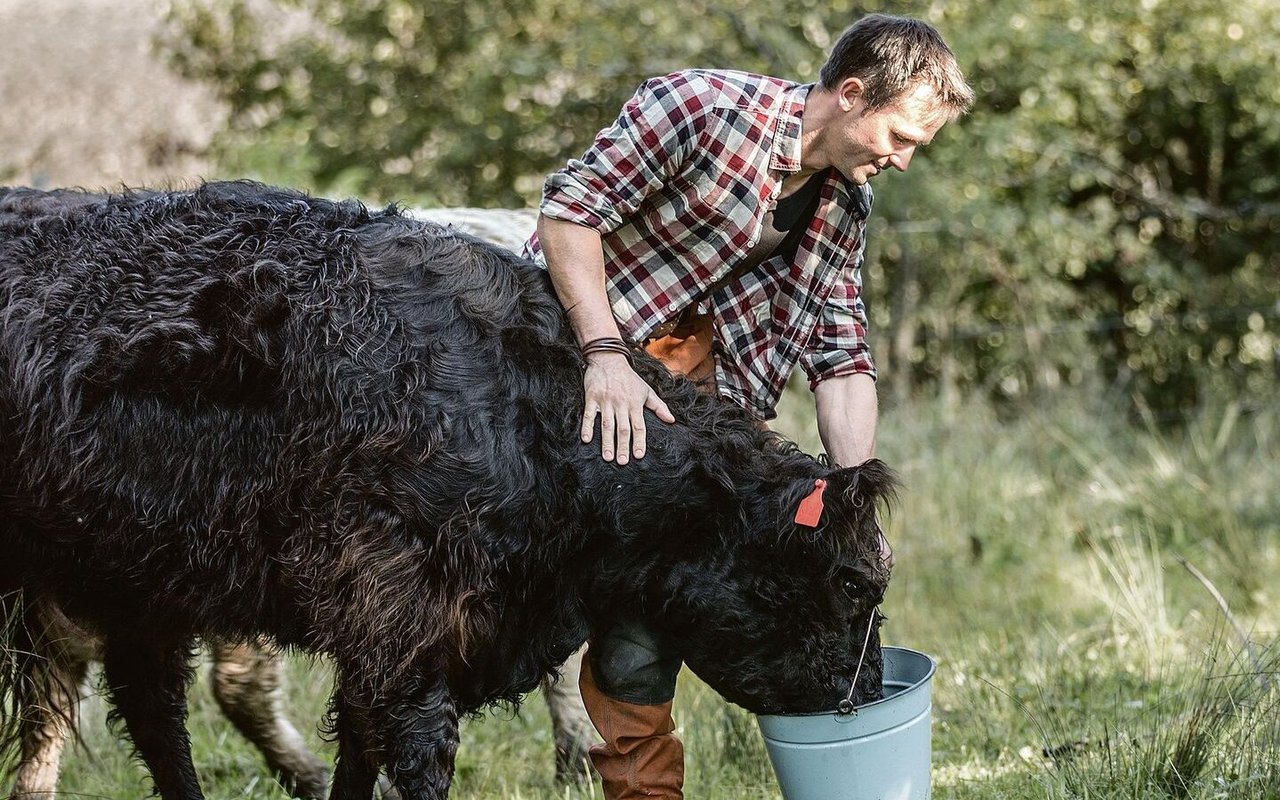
(881, 751)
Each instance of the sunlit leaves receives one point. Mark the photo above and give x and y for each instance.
(1109, 212)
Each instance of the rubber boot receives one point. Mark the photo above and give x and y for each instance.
(641, 756)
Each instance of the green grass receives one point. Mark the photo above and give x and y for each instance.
(1038, 559)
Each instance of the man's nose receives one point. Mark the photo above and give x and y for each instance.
(901, 159)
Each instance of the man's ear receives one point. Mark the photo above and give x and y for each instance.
(849, 93)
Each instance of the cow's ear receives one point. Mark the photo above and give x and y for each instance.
(864, 485)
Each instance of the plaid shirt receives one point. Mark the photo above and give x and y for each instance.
(678, 187)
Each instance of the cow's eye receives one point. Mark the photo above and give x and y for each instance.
(853, 587)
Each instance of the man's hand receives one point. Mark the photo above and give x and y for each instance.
(611, 389)
(619, 396)
(886, 552)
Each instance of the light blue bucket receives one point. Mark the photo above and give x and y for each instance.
(881, 751)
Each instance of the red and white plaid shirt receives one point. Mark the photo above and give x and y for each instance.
(679, 186)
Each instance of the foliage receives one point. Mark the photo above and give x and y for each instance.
(1106, 216)
(1109, 212)
(456, 103)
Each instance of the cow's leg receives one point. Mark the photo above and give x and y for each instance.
(148, 681)
(574, 733)
(355, 773)
(420, 733)
(247, 685)
(49, 721)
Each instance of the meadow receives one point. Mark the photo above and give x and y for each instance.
(1101, 594)
(1086, 579)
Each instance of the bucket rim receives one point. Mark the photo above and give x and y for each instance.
(928, 676)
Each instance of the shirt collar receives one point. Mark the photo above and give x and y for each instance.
(784, 156)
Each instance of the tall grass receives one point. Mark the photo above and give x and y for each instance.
(1041, 560)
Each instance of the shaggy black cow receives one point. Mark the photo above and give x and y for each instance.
(245, 678)
(241, 411)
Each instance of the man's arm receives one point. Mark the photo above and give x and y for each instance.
(841, 372)
(652, 138)
(575, 261)
(847, 412)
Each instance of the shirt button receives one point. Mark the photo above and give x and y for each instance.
(672, 306)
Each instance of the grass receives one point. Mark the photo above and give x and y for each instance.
(1037, 557)
(1040, 558)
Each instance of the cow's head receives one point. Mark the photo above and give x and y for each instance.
(777, 614)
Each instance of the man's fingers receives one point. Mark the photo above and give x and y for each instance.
(623, 425)
(606, 434)
(637, 433)
(613, 392)
(886, 552)
(589, 421)
(657, 406)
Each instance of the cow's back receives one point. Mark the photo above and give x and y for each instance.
(212, 384)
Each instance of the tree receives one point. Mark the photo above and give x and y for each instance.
(454, 102)
(1110, 208)
(1106, 215)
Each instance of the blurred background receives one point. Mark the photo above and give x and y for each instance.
(1074, 297)
(1106, 218)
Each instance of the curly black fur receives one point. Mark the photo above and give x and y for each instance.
(240, 410)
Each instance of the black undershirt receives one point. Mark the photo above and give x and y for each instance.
(781, 230)
(784, 225)
(794, 212)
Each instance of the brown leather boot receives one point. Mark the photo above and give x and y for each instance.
(641, 756)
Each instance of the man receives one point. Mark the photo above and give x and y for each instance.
(720, 222)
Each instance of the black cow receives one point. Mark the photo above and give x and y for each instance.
(240, 411)
(245, 678)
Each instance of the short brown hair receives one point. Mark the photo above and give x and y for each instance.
(891, 55)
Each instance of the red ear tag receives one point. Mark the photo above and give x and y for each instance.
(810, 510)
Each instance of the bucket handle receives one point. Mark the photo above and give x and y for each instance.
(846, 706)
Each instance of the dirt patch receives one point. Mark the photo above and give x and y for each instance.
(85, 100)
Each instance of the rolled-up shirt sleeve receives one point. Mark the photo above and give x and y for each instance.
(839, 342)
(652, 137)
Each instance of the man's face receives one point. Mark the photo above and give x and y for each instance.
(865, 143)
